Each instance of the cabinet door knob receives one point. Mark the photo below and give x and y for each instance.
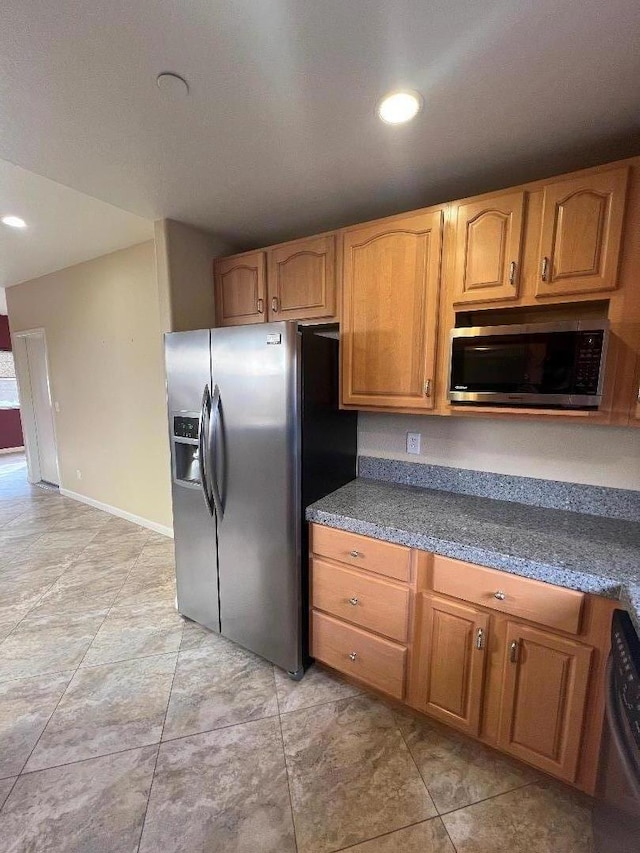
(513, 651)
(500, 595)
(260, 306)
(512, 272)
(480, 639)
(353, 655)
(353, 601)
(544, 268)
(354, 553)
(275, 305)
(427, 388)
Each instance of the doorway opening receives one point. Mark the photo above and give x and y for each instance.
(32, 371)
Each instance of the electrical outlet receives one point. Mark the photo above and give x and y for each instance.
(56, 406)
(78, 474)
(413, 442)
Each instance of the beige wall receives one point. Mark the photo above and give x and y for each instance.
(184, 257)
(102, 325)
(603, 456)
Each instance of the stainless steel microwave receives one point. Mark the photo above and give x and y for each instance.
(552, 365)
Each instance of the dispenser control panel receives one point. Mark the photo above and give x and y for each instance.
(185, 426)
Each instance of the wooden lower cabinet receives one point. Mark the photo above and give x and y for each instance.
(544, 693)
(523, 674)
(454, 635)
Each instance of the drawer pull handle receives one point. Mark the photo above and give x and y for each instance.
(513, 653)
(355, 553)
(353, 655)
(480, 639)
(353, 601)
(500, 595)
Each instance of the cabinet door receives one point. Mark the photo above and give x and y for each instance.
(582, 222)
(240, 290)
(488, 241)
(391, 279)
(453, 636)
(543, 699)
(302, 279)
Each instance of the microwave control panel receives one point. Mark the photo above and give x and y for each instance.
(588, 357)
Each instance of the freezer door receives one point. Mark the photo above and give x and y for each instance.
(188, 366)
(256, 442)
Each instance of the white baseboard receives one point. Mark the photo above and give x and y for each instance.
(11, 449)
(121, 513)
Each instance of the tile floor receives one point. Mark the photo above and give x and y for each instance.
(124, 727)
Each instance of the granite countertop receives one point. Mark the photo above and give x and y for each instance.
(583, 552)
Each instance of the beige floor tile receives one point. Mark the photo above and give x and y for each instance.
(25, 708)
(195, 636)
(219, 684)
(94, 806)
(223, 791)
(534, 819)
(457, 770)
(318, 686)
(427, 837)
(105, 709)
(5, 787)
(147, 584)
(136, 631)
(352, 777)
(41, 644)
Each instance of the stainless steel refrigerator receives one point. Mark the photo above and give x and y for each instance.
(256, 435)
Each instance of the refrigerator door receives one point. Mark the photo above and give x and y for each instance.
(188, 365)
(256, 473)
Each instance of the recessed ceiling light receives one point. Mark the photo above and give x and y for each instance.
(399, 107)
(14, 222)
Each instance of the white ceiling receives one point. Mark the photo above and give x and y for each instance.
(64, 226)
(279, 136)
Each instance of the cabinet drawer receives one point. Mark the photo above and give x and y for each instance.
(362, 552)
(368, 601)
(534, 600)
(371, 659)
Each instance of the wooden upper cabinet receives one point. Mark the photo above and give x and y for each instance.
(488, 248)
(582, 221)
(391, 278)
(240, 286)
(302, 279)
(454, 638)
(543, 699)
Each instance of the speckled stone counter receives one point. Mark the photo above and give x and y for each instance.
(584, 552)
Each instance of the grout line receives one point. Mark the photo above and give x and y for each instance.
(485, 799)
(155, 764)
(424, 782)
(220, 728)
(88, 758)
(389, 833)
(284, 759)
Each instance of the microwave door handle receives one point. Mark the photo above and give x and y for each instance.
(211, 450)
(205, 418)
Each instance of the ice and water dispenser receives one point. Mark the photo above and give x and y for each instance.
(186, 455)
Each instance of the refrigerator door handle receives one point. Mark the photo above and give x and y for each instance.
(215, 489)
(205, 419)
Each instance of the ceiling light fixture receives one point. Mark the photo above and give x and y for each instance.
(399, 107)
(14, 222)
